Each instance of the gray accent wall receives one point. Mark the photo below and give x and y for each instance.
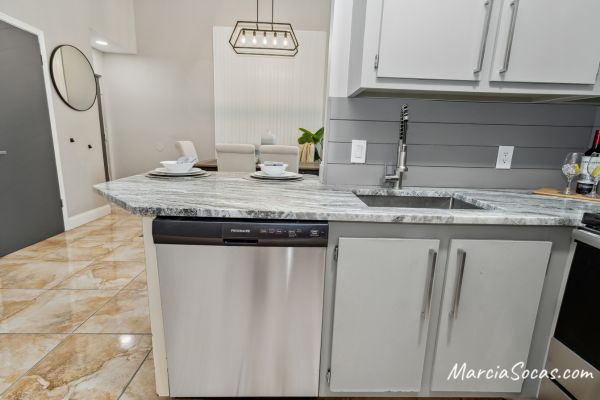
(455, 143)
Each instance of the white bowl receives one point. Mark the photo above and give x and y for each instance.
(172, 166)
(273, 170)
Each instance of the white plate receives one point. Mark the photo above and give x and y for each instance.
(175, 177)
(286, 176)
(165, 172)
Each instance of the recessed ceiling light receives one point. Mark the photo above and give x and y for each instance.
(102, 42)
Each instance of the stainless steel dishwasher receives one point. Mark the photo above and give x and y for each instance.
(242, 304)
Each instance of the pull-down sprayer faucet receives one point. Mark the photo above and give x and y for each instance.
(401, 167)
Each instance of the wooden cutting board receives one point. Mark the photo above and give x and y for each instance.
(558, 193)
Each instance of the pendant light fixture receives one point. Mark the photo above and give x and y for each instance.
(274, 38)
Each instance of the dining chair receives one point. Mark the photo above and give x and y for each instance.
(285, 154)
(186, 148)
(236, 157)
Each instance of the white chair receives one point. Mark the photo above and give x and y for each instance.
(289, 155)
(186, 148)
(236, 157)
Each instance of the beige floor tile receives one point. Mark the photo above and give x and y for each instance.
(103, 222)
(47, 246)
(104, 275)
(37, 274)
(18, 353)
(13, 300)
(80, 251)
(72, 235)
(127, 312)
(138, 241)
(124, 236)
(86, 367)
(139, 283)
(30, 253)
(132, 221)
(113, 234)
(56, 311)
(127, 252)
(143, 386)
(119, 211)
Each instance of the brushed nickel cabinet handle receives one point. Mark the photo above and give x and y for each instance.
(426, 310)
(514, 6)
(484, 34)
(461, 257)
(3, 152)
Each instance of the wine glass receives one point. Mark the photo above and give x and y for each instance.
(570, 169)
(591, 167)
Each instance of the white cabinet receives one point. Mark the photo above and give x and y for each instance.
(382, 312)
(432, 39)
(548, 41)
(490, 303)
(499, 47)
(394, 308)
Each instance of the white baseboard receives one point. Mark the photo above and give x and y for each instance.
(85, 217)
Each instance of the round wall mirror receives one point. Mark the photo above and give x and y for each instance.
(73, 77)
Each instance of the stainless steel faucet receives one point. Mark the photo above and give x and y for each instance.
(401, 167)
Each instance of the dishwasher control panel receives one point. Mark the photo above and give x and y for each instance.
(232, 232)
(275, 231)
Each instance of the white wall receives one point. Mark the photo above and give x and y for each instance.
(67, 22)
(165, 92)
(113, 21)
(255, 95)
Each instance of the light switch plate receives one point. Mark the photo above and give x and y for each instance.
(358, 153)
(505, 155)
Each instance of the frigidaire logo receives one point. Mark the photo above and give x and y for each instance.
(240, 230)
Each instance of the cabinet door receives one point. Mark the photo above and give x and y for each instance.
(433, 39)
(548, 41)
(491, 297)
(381, 314)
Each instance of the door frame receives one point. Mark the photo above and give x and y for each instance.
(48, 88)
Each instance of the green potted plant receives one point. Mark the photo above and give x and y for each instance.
(313, 137)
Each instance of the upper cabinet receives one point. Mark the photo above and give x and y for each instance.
(512, 47)
(433, 39)
(548, 41)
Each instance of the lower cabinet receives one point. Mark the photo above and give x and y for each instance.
(382, 313)
(381, 316)
(490, 303)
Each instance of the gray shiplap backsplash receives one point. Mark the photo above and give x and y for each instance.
(455, 143)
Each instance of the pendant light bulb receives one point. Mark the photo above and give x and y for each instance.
(265, 38)
(275, 39)
(253, 37)
(285, 40)
(243, 36)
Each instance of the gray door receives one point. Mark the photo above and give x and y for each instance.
(30, 205)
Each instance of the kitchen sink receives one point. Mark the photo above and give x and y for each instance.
(444, 203)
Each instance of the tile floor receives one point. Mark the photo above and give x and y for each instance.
(74, 318)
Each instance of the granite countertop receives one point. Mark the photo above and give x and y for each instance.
(235, 195)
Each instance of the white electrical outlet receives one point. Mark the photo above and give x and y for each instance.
(358, 153)
(505, 155)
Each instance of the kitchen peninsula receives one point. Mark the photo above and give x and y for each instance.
(451, 276)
